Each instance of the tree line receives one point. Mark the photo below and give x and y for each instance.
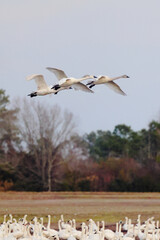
(40, 150)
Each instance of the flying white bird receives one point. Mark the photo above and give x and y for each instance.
(108, 82)
(65, 81)
(42, 87)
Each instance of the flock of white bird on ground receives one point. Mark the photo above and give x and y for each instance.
(35, 229)
(66, 83)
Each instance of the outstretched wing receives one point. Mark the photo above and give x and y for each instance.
(39, 79)
(115, 87)
(59, 73)
(81, 86)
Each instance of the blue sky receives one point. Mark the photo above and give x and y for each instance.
(100, 37)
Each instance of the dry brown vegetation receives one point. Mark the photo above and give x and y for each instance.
(107, 206)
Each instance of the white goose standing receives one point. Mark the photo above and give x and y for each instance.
(76, 233)
(125, 225)
(48, 231)
(108, 82)
(108, 233)
(65, 81)
(63, 233)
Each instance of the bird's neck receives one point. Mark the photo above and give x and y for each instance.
(59, 225)
(83, 78)
(42, 221)
(49, 222)
(116, 227)
(91, 228)
(74, 224)
(103, 225)
(10, 217)
(120, 226)
(115, 78)
(4, 221)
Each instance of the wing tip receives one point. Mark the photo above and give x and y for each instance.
(52, 69)
(30, 77)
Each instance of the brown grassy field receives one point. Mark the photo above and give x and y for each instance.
(110, 207)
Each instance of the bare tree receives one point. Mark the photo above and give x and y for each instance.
(45, 131)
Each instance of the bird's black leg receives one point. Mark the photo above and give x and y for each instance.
(56, 87)
(89, 83)
(34, 94)
(92, 85)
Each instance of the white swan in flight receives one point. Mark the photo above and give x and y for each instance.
(108, 82)
(42, 87)
(65, 81)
